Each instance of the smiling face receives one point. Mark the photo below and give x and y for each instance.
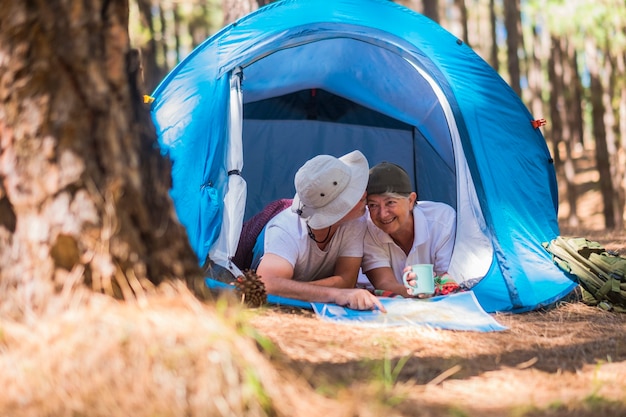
(391, 213)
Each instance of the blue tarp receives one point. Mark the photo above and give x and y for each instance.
(459, 311)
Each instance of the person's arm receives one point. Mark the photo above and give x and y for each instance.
(277, 273)
(346, 273)
(384, 279)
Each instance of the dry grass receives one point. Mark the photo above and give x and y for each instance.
(173, 356)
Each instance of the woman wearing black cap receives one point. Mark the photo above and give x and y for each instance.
(403, 232)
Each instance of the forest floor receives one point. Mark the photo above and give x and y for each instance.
(86, 354)
(569, 360)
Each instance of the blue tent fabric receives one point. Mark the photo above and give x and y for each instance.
(461, 132)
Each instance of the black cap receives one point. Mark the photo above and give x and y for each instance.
(388, 178)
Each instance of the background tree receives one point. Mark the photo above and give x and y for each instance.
(559, 76)
(493, 52)
(84, 189)
(234, 9)
(514, 42)
(430, 8)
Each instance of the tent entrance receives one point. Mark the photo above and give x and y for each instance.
(304, 101)
(281, 133)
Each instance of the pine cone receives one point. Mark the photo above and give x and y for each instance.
(250, 289)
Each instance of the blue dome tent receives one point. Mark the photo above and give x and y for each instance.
(299, 78)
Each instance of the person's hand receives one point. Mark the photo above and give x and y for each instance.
(358, 299)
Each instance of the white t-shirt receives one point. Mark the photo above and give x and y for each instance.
(286, 235)
(435, 230)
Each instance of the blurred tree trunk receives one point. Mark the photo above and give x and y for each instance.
(234, 9)
(575, 97)
(152, 71)
(512, 23)
(177, 31)
(556, 126)
(461, 12)
(621, 151)
(560, 77)
(540, 50)
(493, 56)
(84, 189)
(611, 76)
(599, 131)
(198, 25)
(431, 9)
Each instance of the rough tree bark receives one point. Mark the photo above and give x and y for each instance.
(83, 188)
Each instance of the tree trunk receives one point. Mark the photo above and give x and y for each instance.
(562, 160)
(234, 9)
(177, 32)
(567, 106)
(461, 10)
(84, 189)
(599, 131)
(493, 56)
(512, 22)
(540, 48)
(198, 26)
(575, 90)
(431, 9)
(621, 151)
(152, 71)
(612, 132)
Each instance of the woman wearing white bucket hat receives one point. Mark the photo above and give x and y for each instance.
(313, 252)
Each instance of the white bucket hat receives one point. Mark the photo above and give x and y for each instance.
(327, 188)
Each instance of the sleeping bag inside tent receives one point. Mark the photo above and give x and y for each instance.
(298, 78)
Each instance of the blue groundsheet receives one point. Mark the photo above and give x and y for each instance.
(460, 311)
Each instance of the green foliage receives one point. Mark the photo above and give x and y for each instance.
(255, 391)
(578, 19)
(175, 28)
(389, 371)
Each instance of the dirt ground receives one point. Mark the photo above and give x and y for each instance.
(569, 360)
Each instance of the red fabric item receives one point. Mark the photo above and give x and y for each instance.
(251, 230)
